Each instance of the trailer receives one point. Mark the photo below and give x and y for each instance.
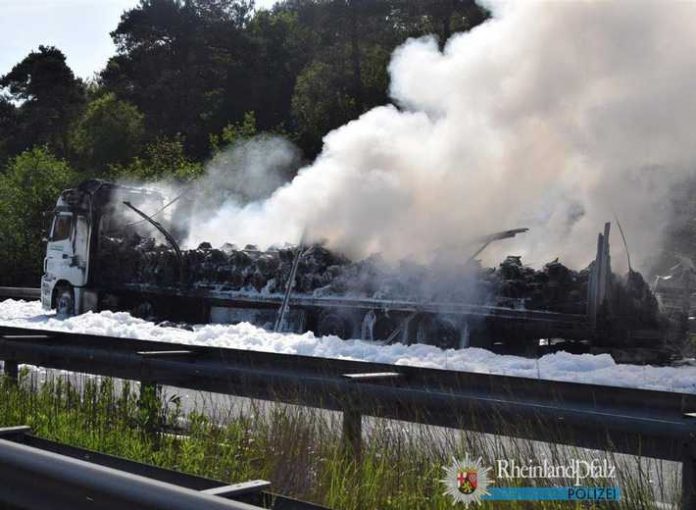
(88, 268)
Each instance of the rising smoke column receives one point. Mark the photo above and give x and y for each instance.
(552, 115)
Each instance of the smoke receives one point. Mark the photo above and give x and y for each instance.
(552, 115)
(246, 173)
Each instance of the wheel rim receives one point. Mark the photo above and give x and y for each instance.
(66, 304)
(145, 310)
(333, 325)
(384, 327)
(441, 333)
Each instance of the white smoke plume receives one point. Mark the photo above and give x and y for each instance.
(247, 171)
(552, 115)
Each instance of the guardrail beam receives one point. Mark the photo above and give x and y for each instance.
(166, 354)
(239, 489)
(14, 431)
(37, 479)
(625, 420)
(373, 376)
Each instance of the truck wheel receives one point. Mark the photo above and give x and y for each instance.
(384, 327)
(144, 310)
(334, 324)
(378, 326)
(442, 333)
(65, 302)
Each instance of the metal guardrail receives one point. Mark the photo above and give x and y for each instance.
(637, 422)
(20, 293)
(38, 473)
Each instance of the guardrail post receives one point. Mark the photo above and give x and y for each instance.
(150, 403)
(352, 430)
(688, 500)
(11, 370)
(688, 477)
(352, 418)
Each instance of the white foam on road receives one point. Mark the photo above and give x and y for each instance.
(561, 366)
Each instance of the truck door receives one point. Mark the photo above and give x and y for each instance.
(67, 249)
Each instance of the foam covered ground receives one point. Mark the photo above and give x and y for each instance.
(586, 368)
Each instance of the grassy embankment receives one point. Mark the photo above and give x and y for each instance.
(297, 449)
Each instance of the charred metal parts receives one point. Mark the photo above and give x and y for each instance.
(170, 239)
(507, 234)
(96, 194)
(279, 278)
(280, 321)
(599, 277)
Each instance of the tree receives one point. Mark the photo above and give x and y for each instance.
(49, 95)
(8, 129)
(30, 185)
(164, 158)
(439, 17)
(282, 46)
(108, 132)
(321, 103)
(185, 65)
(235, 132)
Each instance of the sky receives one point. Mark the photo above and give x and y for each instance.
(80, 28)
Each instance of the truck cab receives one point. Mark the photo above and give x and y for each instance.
(66, 262)
(67, 284)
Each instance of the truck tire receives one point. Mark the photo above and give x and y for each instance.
(384, 327)
(442, 333)
(65, 302)
(334, 324)
(144, 310)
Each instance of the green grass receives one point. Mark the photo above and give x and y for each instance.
(298, 449)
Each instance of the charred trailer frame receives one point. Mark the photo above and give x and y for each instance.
(75, 281)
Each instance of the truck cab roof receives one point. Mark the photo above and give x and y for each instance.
(97, 194)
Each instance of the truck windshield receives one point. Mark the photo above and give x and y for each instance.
(61, 227)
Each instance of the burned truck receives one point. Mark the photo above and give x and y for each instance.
(107, 250)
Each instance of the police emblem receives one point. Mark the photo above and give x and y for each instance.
(466, 481)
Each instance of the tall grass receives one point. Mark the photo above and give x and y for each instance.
(300, 450)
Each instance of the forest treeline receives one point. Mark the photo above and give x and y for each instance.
(188, 78)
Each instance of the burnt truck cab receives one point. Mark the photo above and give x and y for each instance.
(72, 242)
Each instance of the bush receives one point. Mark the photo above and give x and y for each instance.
(108, 132)
(29, 186)
(163, 159)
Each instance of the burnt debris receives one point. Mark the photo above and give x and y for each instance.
(323, 273)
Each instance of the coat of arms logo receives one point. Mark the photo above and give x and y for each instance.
(466, 481)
